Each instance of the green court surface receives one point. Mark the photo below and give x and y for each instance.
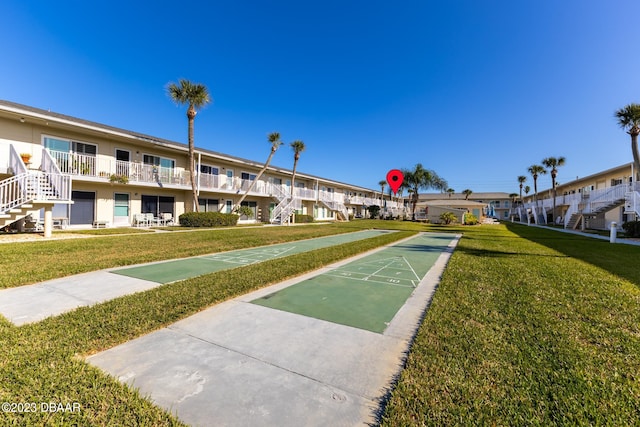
(170, 271)
(365, 293)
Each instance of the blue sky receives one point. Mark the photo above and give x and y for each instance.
(476, 90)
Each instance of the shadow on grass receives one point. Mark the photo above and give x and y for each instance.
(618, 259)
(495, 254)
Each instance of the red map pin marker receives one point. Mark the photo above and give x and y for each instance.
(395, 178)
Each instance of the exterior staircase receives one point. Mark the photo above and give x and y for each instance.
(607, 207)
(341, 210)
(27, 191)
(286, 206)
(574, 221)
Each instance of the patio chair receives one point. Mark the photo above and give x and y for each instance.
(140, 220)
(167, 218)
(151, 220)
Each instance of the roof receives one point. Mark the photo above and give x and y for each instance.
(622, 168)
(452, 203)
(460, 196)
(49, 116)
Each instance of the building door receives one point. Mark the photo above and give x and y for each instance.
(83, 207)
(123, 158)
(121, 209)
(229, 179)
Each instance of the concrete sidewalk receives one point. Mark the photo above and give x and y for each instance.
(32, 303)
(239, 363)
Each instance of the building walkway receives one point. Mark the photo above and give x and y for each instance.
(624, 241)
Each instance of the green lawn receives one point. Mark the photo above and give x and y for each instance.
(32, 262)
(528, 326)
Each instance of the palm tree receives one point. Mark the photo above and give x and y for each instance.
(196, 95)
(553, 163)
(466, 193)
(382, 183)
(629, 119)
(420, 178)
(521, 180)
(298, 147)
(450, 191)
(527, 189)
(536, 170)
(274, 140)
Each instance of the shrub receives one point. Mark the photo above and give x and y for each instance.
(244, 211)
(300, 218)
(208, 219)
(631, 228)
(448, 217)
(470, 219)
(374, 210)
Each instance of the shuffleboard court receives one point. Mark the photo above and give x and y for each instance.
(365, 293)
(171, 271)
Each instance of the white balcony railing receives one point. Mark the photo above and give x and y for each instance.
(104, 167)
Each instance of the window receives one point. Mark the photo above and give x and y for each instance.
(148, 159)
(157, 204)
(68, 146)
(71, 156)
(82, 148)
(210, 170)
(249, 176)
(228, 206)
(254, 208)
(208, 205)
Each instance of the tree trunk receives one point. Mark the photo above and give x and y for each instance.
(191, 115)
(293, 181)
(634, 132)
(253, 183)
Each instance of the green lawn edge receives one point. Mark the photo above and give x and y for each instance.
(528, 327)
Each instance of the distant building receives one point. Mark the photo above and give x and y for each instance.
(492, 204)
(594, 201)
(431, 210)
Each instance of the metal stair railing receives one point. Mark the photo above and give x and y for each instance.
(13, 192)
(334, 204)
(598, 199)
(632, 203)
(573, 209)
(26, 186)
(284, 209)
(59, 183)
(276, 215)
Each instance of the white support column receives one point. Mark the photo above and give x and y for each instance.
(48, 220)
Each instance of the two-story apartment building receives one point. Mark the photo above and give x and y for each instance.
(593, 201)
(83, 173)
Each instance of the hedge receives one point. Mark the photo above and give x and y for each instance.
(631, 228)
(208, 219)
(299, 219)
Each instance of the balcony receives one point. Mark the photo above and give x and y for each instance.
(105, 169)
